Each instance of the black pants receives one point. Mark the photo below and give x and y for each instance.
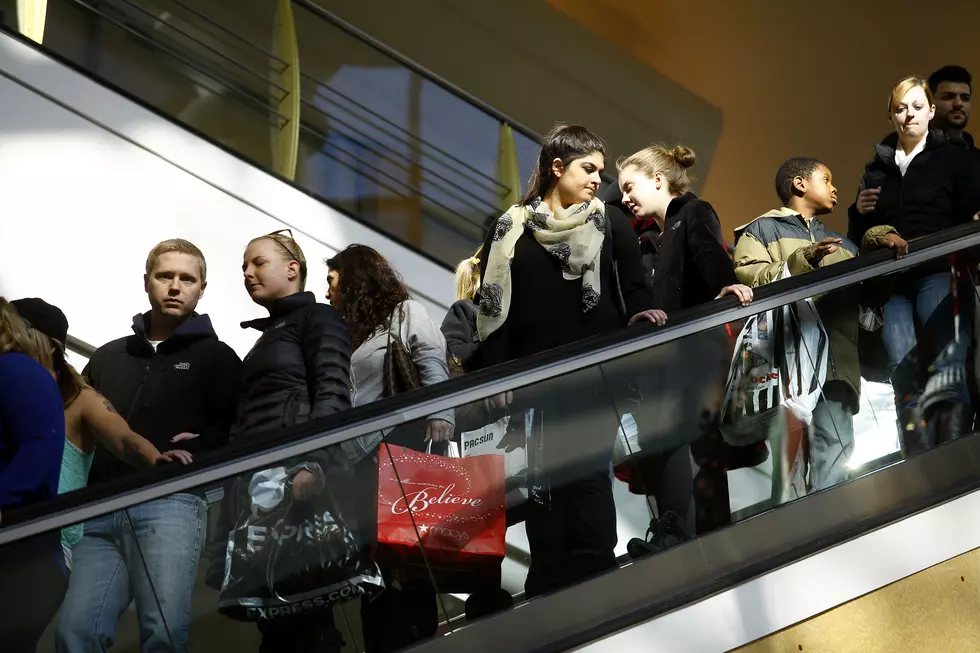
(573, 535)
(397, 617)
(669, 478)
(312, 632)
(34, 585)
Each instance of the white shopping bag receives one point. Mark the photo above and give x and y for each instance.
(780, 360)
(489, 440)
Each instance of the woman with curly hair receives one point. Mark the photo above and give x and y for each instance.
(373, 299)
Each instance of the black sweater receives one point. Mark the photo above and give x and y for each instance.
(546, 309)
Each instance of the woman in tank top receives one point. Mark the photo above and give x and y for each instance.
(90, 419)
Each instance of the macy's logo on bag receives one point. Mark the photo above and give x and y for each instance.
(420, 501)
(445, 532)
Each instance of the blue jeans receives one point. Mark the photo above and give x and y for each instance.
(831, 444)
(108, 573)
(926, 300)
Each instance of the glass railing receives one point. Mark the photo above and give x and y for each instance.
(296, 91)
(726, 413)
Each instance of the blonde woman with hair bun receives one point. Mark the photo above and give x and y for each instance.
(694, 265)
(459, 325)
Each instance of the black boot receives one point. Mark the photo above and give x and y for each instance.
(912, 434)
(663, 533)
(948, 422)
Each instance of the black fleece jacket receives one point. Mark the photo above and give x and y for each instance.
(462, 339)
(189, 384)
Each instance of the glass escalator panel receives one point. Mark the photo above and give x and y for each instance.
(564, 469)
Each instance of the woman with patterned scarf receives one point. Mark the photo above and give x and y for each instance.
(548, 278)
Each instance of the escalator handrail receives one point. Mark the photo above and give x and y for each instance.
(684, 575)
(216, 466)
(80, 347)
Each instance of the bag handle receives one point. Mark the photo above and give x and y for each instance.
(452, 449)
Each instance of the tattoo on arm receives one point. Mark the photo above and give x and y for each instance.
(108, 406)
(131, 449)
(134, 456)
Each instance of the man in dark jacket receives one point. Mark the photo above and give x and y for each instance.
(952, 88)
(173, 381)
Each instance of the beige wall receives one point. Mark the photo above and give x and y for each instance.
(791, 79)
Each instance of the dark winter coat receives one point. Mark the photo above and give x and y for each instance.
(190, 384)
(693, 265)
(940, 189)
(463, 346)
(297, 371)
(462, 339)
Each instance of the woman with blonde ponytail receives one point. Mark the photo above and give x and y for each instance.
(32, 440)
(694, 266)
(459, 325)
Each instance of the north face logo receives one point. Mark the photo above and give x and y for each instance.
(280, 325)
(182, 366)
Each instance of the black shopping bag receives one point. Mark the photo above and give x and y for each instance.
(286, 557)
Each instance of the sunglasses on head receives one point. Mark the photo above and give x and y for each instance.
(278, 237)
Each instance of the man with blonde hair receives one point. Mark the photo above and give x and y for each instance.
(173, 381)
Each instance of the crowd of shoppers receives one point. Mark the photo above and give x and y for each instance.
(558, 267)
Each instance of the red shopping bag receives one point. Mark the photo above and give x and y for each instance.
(451, 507)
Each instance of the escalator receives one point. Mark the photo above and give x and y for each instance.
(291, 89)
(734, 583)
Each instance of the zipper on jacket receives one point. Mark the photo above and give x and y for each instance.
(139, 390)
